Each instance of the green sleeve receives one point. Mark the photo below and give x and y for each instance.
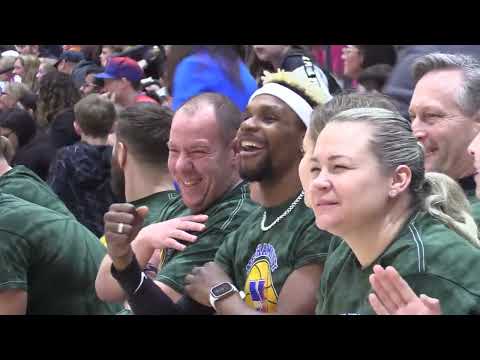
(226, 254)
(454, 299)
(14, 260)
(197, 254)
(312, 247)
(34, 192)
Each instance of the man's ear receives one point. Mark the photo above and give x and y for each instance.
(61, 65)
(121, 151)
(77, 128)
(401, 178)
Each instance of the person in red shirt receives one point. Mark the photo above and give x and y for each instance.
(121, 78)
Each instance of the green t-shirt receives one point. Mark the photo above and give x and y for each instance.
(224, 216)
(25, 184)
(259, 262)
(468, 185)
(52, 257)
(156, 203)
(433, 259)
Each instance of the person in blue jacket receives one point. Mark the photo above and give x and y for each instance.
(195, 69)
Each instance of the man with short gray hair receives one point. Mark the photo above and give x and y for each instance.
(445, 115)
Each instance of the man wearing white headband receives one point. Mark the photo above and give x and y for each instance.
(274, 261)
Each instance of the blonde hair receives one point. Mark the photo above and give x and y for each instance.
(17, 90)
(7, 62)
(30, 64)
(447, 202)
(312, 93)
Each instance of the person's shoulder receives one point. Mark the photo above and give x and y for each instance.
(59, 119)
(72, 149)
(292, 61)
(172, 207)
(229, 212)
(236, 201)
(14, 205)
(157, 203)
(430, 246)
(20, 175)
(157, 198)
(19, 171)
(14, 211)
(434, 232)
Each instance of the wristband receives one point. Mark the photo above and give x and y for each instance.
(130, 278)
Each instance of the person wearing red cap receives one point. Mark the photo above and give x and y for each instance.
(121, 78)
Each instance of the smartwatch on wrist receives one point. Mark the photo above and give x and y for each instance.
(223, 290)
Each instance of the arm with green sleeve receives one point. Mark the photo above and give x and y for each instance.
(14, 262)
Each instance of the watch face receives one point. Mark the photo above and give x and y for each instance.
(221, 289)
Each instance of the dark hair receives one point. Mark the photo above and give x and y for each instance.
(377, 54)
(29, 101)
(91, 52)
(145, 128)
(255, 65)
(115, 48)
(57, 92)
(136, 85)
(94, 70)
(95, 115)
(375, 77)
(21, 123)
(227, 114)
(228, 57)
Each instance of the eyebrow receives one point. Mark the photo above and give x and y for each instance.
(426, 108)
(314, 158)
(334, 157)
(201, 144)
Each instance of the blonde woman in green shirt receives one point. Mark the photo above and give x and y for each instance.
(370, 189)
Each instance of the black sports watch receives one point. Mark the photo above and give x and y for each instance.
(223, 290)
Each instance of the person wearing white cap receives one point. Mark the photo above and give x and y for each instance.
(276, 257)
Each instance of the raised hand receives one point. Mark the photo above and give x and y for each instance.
(122, 224)
(393, 296)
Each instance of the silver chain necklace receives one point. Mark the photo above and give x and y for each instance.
(285, 213)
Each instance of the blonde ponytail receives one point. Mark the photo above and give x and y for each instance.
(445, 200)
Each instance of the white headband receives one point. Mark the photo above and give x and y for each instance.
(292, 99)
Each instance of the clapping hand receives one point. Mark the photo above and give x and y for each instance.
(393, 296)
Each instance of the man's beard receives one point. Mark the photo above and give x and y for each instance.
(263, 170)
(117, 180)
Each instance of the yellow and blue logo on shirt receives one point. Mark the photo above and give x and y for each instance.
(260, 293)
